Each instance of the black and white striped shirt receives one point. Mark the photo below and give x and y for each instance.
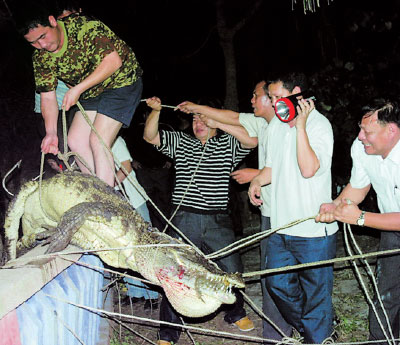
(209, 190)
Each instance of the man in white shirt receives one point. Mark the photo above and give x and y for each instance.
(136, 195)
(255, 124)
(376, 163)
(298, 167)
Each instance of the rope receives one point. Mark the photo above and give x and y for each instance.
(238, 244)
(169, 221)
(202, 330)
(17, 165)
(134, 182)
(261, 313)
(364, 288)
(285, 340)
(184, 195)
(251, 239)
(65, 155)
(321, 263)
(163, 105)
(40, 189)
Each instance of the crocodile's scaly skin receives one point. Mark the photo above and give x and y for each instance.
(84, 211)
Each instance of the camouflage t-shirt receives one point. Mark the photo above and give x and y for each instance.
(87, 43)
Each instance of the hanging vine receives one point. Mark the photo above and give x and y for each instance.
(309, 5)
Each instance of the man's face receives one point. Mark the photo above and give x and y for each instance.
(261, 103)
(276, 91)
(374, 136)
(46, 37)
(200, 130)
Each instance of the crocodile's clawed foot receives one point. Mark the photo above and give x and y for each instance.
(56, 246)
(53, 239)
(47, 235)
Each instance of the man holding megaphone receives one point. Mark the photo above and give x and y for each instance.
(298, 167)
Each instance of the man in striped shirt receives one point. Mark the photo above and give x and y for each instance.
(203, 164)
(256, 125)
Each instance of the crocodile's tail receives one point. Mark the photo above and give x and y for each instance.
(14, 213)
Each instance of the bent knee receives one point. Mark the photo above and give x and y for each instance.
(77, 142)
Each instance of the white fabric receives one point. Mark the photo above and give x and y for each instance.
(294, 197)
(383, 174)
(121, 153)
(257, 127)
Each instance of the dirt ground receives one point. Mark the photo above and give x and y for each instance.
(349, 302)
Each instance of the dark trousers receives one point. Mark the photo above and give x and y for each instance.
(268, 305)
(209, 232)
(304, 297)
(388, 279)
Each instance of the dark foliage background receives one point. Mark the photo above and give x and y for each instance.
(350, 50)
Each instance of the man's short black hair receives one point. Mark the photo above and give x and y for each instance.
(290, 80)
(388, 110)
(30, 14)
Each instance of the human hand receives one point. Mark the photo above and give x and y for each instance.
(254, 193)
(245, 175)
(71, 97)
(186, 107)
(50, 144)
(347, 212)
(208, 122)
(304, 109)
(325, 214)
(154, 103)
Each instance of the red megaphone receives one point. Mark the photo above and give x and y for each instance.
(285, 108)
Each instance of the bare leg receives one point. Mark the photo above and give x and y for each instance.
(78, 139)
(108, 129)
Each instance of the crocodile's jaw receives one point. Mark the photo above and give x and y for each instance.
(194, 295)
(186, 301)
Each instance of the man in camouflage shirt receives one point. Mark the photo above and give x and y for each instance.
(103, 75)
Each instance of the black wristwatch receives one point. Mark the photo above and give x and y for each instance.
(361, 219)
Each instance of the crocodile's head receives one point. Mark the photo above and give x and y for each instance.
(194, 286)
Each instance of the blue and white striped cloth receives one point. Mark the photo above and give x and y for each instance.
(61, 89)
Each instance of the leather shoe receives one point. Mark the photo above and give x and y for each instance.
(245, 324)
(163, 342)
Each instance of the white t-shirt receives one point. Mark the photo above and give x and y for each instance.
(121, 153)
(257, 127)
(383, 174)
(294, 197)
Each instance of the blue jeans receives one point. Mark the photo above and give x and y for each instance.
(136, 288)
(209, 232)
(268, 305)
(304, 297)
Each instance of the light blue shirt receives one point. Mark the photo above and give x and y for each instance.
(61, 90)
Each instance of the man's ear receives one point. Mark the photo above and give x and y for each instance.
(393, 129)
(296, 89)
(52, 21)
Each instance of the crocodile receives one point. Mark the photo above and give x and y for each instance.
(80, 209)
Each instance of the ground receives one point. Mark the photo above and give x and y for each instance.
(349, 302)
